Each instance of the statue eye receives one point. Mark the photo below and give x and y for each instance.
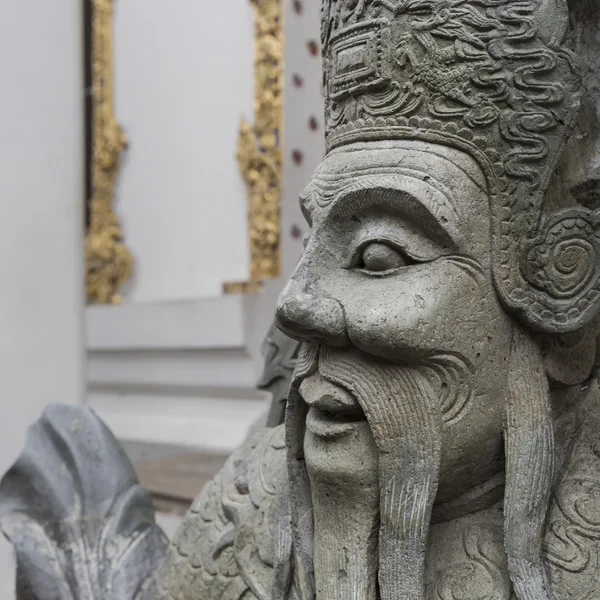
(379, 257)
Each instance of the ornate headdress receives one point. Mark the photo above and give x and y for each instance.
(491, 78)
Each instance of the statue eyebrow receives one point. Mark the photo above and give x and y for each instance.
(438, 206)
(423, 214)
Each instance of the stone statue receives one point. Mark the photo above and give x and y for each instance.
(280, 354)
(81, 525)
(441, 436)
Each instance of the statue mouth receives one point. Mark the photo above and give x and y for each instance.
(330, 425)
(333, 411)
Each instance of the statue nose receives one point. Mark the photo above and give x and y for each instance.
(310, 318)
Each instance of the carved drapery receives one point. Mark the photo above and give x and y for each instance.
(109, 262)
(259, 151)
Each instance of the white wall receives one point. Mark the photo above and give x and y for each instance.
(183, 79)
(176, 373)
(41, 194)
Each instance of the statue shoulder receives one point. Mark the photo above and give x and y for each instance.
(225, 545)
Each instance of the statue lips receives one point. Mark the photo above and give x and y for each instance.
(333, 412)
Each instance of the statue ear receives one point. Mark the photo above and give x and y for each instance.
(562, 266)
(564, 261)
(570, 358)
(552, 17)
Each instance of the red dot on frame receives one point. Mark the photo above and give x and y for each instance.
(313, 47)
(298, 7)
(297, 80)
(297, 157)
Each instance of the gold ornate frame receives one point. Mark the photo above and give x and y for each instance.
(109, 263)
(260, 147)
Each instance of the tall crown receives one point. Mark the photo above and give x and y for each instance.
(491, 78)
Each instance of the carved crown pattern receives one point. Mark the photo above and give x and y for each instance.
(486, 77)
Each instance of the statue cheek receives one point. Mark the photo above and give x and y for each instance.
(408, 317)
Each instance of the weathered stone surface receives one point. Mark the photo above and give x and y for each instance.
(81, 525)
(280, 353)
(439, 420)
(237, 529)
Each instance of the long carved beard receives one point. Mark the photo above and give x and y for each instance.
(529, 447)
(404, 416)
(405, 419)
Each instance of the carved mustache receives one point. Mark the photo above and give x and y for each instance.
(451, 376)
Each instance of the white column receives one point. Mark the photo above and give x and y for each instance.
(42, 196)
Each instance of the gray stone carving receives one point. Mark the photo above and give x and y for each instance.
(442, 419)
(441, 430)
(280, 353)
(81, 525)
(237, 533)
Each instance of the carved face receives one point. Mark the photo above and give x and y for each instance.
(408, 351)
(397, 267)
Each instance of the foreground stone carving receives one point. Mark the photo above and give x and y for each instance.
(280, 354)
(81, 525)
(441, 429)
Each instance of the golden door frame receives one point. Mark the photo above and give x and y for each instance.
(109, 263)
(259, 155)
